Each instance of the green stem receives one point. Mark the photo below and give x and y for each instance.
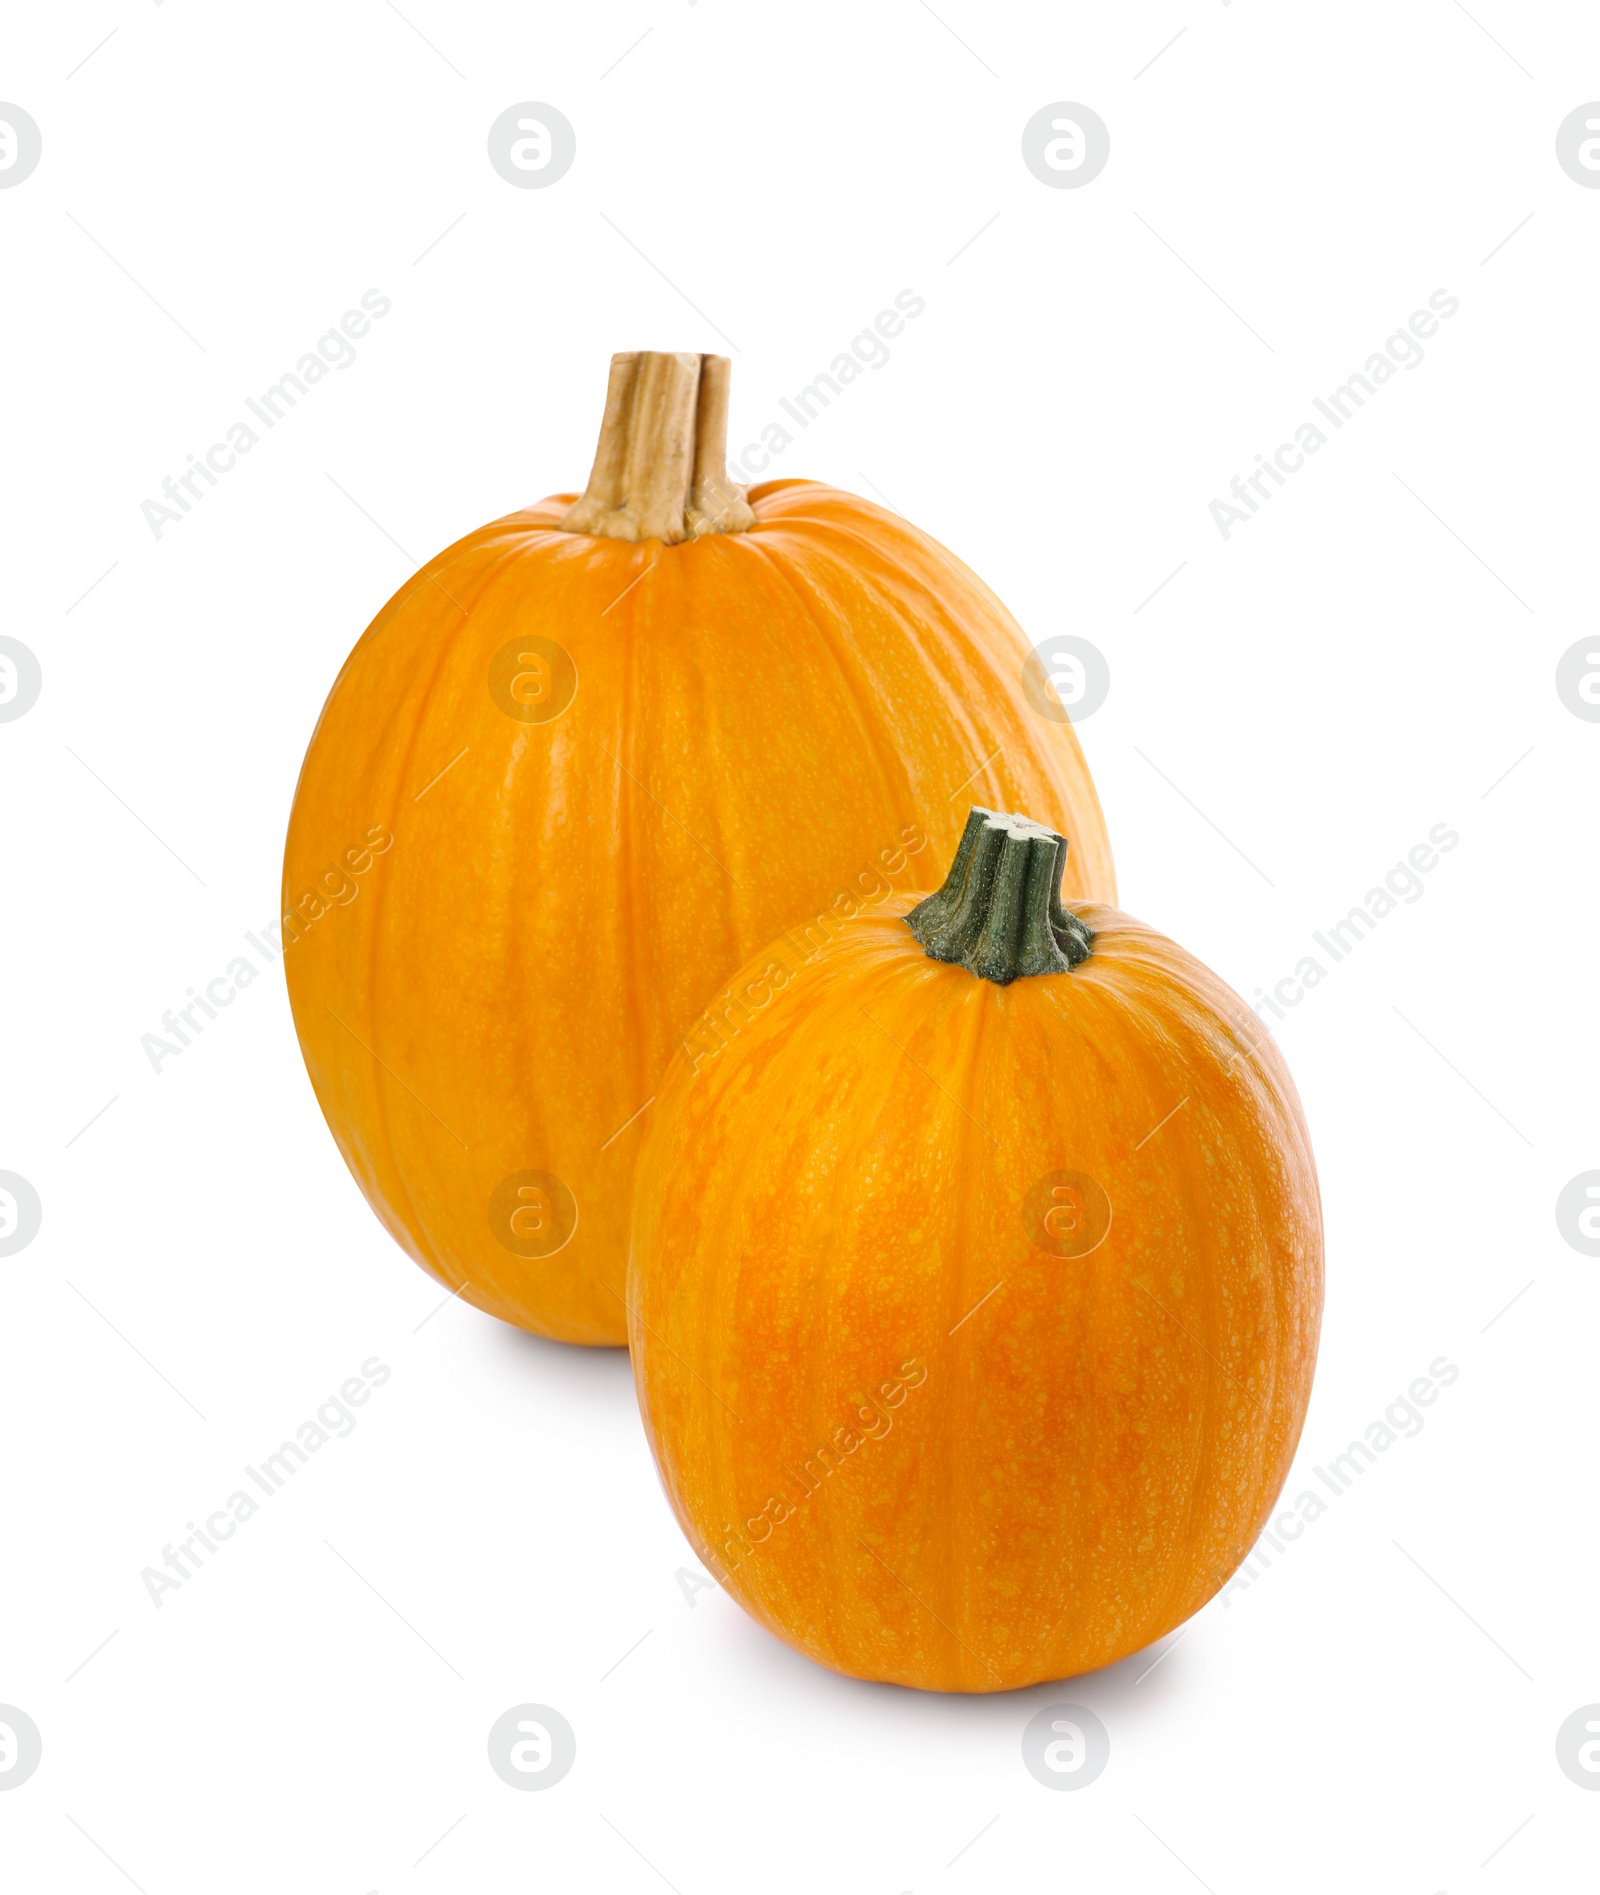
(999, 913)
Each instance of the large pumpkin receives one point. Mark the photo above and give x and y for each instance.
(975, 1287)
(618, 743)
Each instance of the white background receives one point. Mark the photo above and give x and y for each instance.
(1293, 710)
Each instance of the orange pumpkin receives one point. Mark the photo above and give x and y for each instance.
(578, 768)
(975, 1285)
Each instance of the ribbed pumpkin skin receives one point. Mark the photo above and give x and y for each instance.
(758, 720)
(1070, 1468)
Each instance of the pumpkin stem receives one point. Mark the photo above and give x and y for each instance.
(661, 468)
(999, 912)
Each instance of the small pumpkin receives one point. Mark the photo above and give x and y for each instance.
(976, 1284)
(620, 740)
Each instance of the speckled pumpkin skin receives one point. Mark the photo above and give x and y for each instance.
(907, 1434)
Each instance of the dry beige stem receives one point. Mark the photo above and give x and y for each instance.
(661, 468)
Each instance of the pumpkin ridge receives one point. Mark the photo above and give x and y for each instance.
(521, 810)
(1155, 1063)
(819, 1318)
(379, 625)
(1158, 1612)
(381, 1148)
(375, 930)
(955, 1595)
(509, 545)
(632, 775)
(954, 1057)
(954, 654)
(1274, 1110)
(1262, 1114)
(889, 574)
(1270, 1445)
(1215, 1420)
(654, 626)
(1069, 778)
(1076, 1565)
(628, 855)
(895, 783)
(708, 721)
(844, 522)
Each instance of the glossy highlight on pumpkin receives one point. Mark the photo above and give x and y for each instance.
(974, 1323)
